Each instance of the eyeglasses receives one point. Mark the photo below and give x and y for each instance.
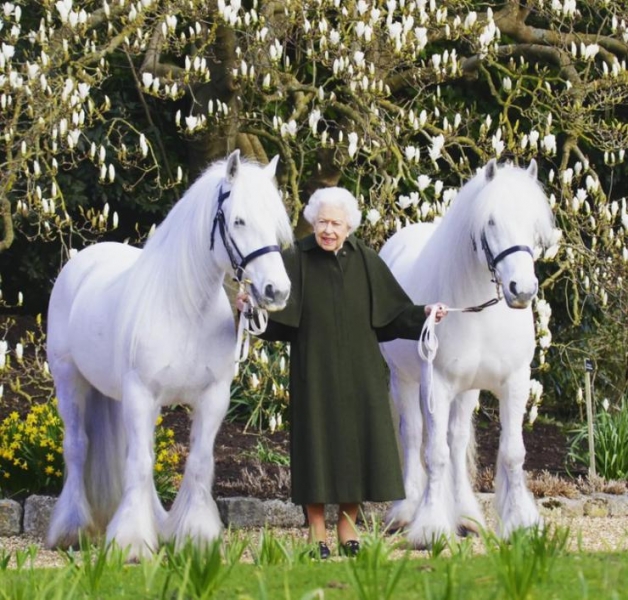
(322, 224)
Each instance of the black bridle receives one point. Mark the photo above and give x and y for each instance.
(238, 260)
(492, 262)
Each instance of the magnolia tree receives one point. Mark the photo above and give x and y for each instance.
(398, 101)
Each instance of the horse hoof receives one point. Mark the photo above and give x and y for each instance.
(467, 531)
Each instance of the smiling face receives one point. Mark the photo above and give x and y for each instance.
(331, 228)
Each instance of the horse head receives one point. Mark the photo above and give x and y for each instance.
(516, 220)
(252, 224)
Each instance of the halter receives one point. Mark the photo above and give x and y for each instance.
(492, 260)
(238, 260)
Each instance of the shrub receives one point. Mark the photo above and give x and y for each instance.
(610, 437)
(31, 454)
(259, 394)
(31, 451)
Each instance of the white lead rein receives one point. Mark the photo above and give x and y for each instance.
(247, 325)
(427, 345)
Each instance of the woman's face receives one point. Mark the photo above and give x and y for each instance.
(331, 228)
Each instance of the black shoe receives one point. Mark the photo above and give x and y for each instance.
(322, 551)
(349, 548)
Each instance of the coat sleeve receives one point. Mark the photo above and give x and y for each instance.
(283, 324)
(393, 314)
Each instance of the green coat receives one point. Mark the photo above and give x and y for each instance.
(343, 444)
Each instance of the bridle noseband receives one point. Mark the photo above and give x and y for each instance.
(238, 260)
(492, 260)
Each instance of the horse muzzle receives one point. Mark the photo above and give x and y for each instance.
(519, 298)
(272, 297)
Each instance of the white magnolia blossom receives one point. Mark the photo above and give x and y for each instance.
(549, 143)
(19, 351)
(423, 181)
(373, 216)
(289, 129)
(353, 143)
(436, 149)
(4, 348)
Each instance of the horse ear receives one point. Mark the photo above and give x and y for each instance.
(233, 165)
(490, 169)
(271, 168)
(533, 170)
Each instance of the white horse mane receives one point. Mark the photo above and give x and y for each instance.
(176, 271)
(513, 199)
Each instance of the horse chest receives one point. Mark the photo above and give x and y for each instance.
(486, 352)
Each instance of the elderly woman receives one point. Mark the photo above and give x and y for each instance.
(344, 301)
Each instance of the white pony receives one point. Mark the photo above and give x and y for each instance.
(131, 330)
(486, 239)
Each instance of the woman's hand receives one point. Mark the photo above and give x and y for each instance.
(242, 301)
(441, 311)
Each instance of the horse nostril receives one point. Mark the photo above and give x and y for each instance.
(513, 288)
(269, 292)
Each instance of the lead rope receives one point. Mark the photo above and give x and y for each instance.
(252, 320)
(427, 345)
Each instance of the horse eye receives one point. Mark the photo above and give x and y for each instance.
(239, 222)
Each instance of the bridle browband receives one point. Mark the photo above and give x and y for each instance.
(238, 260)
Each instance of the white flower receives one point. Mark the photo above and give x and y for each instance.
(423, 182)
(533, 414)
(373, 216)
(263, 357)
(315, 117)
(254, 381)
(404, 202)
(536, 391)
(19, 351)
(411, 153)
(353, 143)
(289, 129)
(605, 404)
(438, 142)
(4, 348)
(549, 143)
(272, 423)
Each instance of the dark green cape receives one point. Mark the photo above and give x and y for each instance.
(343, 445)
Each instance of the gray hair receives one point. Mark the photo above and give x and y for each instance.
(334, 196)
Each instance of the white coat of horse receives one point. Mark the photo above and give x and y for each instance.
(131, 330)
(486, 238)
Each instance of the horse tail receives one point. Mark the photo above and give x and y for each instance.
(104, 465)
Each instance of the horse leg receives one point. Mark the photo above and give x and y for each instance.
(470, 517)
(515, 504)
(194, 514)
(405, 393)
(134, 525)
(72, 512)
(436, 513)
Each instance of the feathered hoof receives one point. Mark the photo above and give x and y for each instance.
(469, 528)
(400, 515)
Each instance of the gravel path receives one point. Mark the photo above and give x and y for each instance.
(597, 534)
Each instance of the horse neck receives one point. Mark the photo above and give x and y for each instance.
(458, 275)
(177, 266)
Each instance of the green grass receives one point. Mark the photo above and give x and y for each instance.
(532, 564)
(583, 576)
